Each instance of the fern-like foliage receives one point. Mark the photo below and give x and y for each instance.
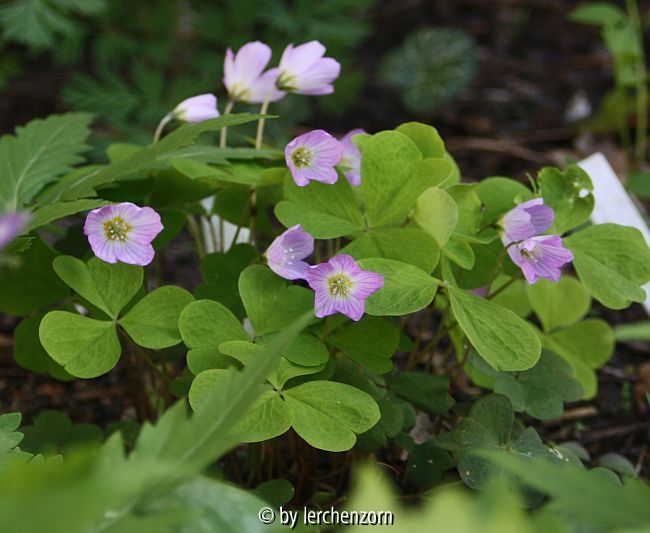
(433, 66)
(37, 154)
(37, 23)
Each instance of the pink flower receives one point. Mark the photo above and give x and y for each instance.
(304, 70)
(286, 253)
(540, 257)
(526, 220)
(243, 75)
(197, 108)
(351, 160)
(313, 156)
(123, 232)
(11, 224)
(341, 286)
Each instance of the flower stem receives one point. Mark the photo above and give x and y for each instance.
(195, 231)
(161, 126)
(641, 84)
(224, 131)
(260, 125)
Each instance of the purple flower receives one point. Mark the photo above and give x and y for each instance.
(540, 257)
(351, 159)
(243, 75)
(286, 253)
(197, 108)
(11, 224)
(304, 70)
(313, 156)
(341, 286)
(526, 220)
(123, 232)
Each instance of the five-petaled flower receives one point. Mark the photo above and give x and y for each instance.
(304, 70)
(197, 108)
(313, 156)
(123, 232)
(540, 257)
(351, 161)
(244, 77)
(11, 224)
(341, 286)
(286, 253)
(527, 220)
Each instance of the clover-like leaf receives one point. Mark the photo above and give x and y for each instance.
(329, 415)
(324, 211)
(109, 287)
(612, 261)
(203, 326)
(270, 303)
(85, 347)
(153, 321)
(541, 390)
(406, 288)
(371, 341)
(501, 337)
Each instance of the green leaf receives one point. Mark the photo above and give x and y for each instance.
(371, 341)
(30, 354)
(37, 23)
(37, 154)
(33, 285)
(426, 138)
(410, 245)
(79, 186)
(460, 252)
(324, 211)
(267, 418)
(503, 339)
(612, 261)
(107, 286)
(599, 13)
(86, 348)
(276, 492)
(205, 505)
(569, 193)
(469, 208)
(437, 214)
(559, 304)
(271, 305)
(153, 321)
(427, 392)
(305, 350)
(221, 273)
(406, 288)
(50, 213)
(203, 326)
(489, 426)
(388, 162)
(426, 463)
(586, 345)
(388, 427)
(329, 415)
(541, 390)
(52, 432)
(500, 195)
(593, 499)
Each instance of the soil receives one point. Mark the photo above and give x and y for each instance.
(511, 121)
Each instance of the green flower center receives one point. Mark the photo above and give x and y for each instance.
(339, 285)
(302, 157)
(116, 229)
